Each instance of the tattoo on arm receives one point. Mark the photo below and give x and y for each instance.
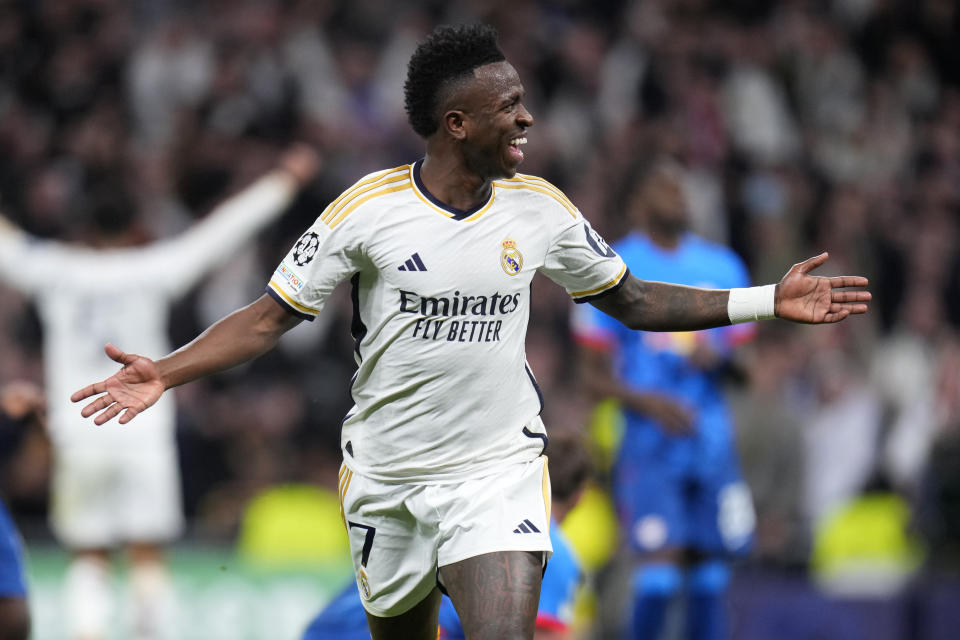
(659, 306)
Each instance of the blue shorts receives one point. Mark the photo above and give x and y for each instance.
(664, 505)
(12, 580)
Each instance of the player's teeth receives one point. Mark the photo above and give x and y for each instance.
(518, 141)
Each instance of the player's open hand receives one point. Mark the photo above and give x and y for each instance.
(131, 390)
(813, 300)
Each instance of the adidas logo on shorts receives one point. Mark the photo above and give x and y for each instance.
(526, 527)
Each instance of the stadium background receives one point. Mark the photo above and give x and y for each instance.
(804, 126)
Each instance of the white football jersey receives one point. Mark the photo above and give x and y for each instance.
(441, 301)
(87, 298)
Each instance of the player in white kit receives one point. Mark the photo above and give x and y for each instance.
(444, 483)
(113, 486)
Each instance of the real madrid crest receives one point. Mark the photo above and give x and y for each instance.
(510, 258)
(363, 583)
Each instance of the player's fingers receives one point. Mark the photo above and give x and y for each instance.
(851, 307)
(856, 308)
(810, 264)
(113, 352)
(850, 296)
(118, 355)
(97, 405)
(848, 281)
(89, 390)
(838, 311)
(109, 414)
(128, 415)
(836, 316)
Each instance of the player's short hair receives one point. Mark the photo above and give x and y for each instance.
(570, 463)
(448, 54)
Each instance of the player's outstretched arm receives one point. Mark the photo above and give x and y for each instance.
(241, 336)
(800, 297)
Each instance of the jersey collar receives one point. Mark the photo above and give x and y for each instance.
(445, 209)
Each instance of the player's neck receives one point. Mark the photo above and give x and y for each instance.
(453, 184)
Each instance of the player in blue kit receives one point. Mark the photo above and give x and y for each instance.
(676, 482)
(20, 405)
(443, 450)
(344, 618)
(14, 613)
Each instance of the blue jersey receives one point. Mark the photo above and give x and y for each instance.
(672, 490)
(659, 362)
(344, 618)
(12, 582)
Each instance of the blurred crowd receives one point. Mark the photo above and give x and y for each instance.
(803, 126)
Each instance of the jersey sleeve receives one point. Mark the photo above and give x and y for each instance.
(323, 257)
(580, 261)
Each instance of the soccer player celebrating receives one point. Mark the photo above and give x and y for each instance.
(443, 484)
(119, 488)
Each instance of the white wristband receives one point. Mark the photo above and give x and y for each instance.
(751, 303)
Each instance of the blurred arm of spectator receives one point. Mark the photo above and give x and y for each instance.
(177, 263)
(22, 410)
(21, 400)
(232, 223)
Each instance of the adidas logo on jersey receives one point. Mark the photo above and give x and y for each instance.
(526, 527)
(413, 263)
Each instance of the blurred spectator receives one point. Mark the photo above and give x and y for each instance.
(769, 439)
(112, 487)
(841, 430)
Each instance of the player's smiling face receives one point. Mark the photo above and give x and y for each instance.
(497, 121)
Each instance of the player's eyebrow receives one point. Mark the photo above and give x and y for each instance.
(514, 96)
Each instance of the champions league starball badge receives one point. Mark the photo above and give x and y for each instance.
(306, 248)
(510, 258)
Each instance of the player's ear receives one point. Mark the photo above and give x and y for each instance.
(453, 123)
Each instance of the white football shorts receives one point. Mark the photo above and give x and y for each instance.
(400, 534)
(102, 499)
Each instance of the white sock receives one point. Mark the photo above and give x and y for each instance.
(88, 596)
(153, 601)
